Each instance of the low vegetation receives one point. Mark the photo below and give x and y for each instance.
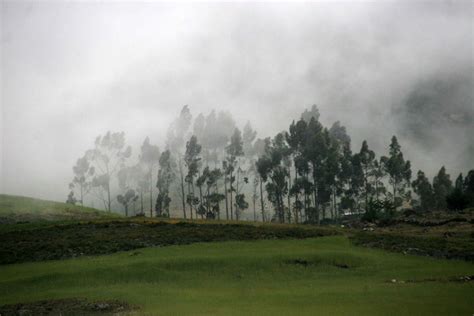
(14, 209)
(66, 240)
(323, 276)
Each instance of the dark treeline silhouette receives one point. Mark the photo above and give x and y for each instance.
(211, 169)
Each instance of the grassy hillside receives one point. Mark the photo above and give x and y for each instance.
(40, 241)
(19, 209)
(322, 276)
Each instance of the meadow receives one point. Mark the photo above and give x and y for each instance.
(210, 268)
(325, 276)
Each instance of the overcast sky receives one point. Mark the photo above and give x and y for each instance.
(71, 71)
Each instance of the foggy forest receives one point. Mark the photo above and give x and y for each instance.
(237, 157)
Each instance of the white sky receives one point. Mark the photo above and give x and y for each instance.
(71, 71)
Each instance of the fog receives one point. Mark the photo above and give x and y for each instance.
(71, 71)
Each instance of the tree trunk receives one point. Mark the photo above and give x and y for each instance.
(231, 208)
(183, 196)
(226, 201)
(151, 192)
(289, 198)
(262, 205)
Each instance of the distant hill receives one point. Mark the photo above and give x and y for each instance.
(19, 209)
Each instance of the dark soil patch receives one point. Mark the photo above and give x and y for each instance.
(301, 262)
(71, 306)
(461, 279)
(95, 238)
(460, 248)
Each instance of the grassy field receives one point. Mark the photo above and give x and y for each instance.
(318, 276)
(15, 209)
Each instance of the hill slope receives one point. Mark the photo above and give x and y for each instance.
(19, 208)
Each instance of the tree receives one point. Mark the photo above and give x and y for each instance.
(260, 147)
(125, 199)
(248, 137)
(270, 167)
(149, 157)
(71, 199)
(108, 156)
(166, 176)
(234, 150)
(175, 143)
(422, 187)
(367, 158)
(313, 113)
(191, 159)
(442, 186)
(399, 171)
(83, 173)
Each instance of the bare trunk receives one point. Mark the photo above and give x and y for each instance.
(262, 205)
(151, 192)
(183, 195)
(231, 208)
(226, 201)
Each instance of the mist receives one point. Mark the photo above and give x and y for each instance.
(72, 71)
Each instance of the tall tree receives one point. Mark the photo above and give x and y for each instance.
(83, 173)
(192, 160)
(176, 140)
(367, 160)
(149, 157)
(126, 199)
(422, 187)
(399, 171)
(442, 186)
(234, 151)
(108, 156)
(271, 167)
(166, 176)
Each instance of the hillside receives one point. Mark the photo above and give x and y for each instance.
(15, 209)
(316, 276)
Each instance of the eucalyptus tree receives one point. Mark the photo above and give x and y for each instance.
(82, 181)
(126, 199)
(310, 114)
(213, 197)
(398, 170)
(314, 152)
(234, 151)
(107, 156)
(367, 162)
(260, 147)
(192, 159)
(272, 170)
(296, 141)
(176, 136)
(71, 199)
(149, 158)
(166, 176)
(423, 188)
(442, 186)
(339, 134)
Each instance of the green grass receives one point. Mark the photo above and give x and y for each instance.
(26, 209)
(38, 241)
(252, 278)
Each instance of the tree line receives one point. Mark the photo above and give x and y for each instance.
(212, 169)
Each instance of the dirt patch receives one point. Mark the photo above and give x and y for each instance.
(460, 279)
(414, 244)
(72, 306)
(300, 262)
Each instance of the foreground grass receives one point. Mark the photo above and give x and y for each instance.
(322, 276)
(25, 209)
